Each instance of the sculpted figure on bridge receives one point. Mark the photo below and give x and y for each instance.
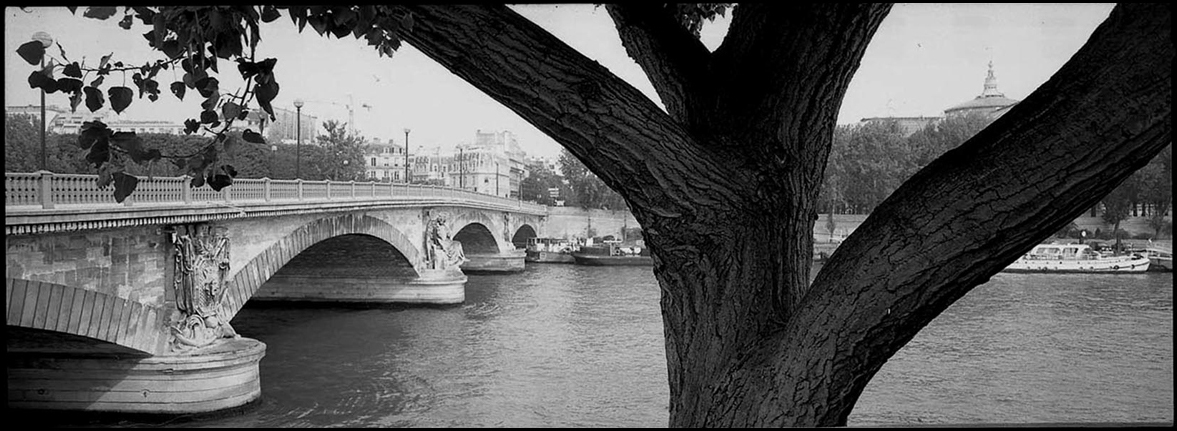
(202, 266)
(441, 250)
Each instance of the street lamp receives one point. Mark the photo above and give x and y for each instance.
(407, 177)
(298, 146)
(46, 40)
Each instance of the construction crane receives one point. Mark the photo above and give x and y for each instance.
(350, 106)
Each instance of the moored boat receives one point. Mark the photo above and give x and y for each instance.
(612, 254)
(1160, 260)
(1077, 258)
(550, 250)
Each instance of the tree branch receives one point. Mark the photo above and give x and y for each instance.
(974, 210)
(605, 122)
(789, 64)
(675, 60)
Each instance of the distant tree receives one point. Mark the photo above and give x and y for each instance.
(587, 190)
(537, 184)
(1117, 205)
(1157, 189)
(21, 143)
(937, 138)
(342, 153)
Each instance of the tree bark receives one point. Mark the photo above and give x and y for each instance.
(725, 186)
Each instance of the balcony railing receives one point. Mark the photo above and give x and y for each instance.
(47, 190)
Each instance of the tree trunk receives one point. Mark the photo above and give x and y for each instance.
(725, 185)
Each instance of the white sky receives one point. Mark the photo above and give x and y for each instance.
(923, 59)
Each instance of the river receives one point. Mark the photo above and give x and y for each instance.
(573, 346)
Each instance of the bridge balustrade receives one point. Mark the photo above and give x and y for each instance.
(47, 190)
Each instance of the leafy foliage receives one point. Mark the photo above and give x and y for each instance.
(869, 161)
(587, 190)
(342, 153)
(195, 39)
(539, 180)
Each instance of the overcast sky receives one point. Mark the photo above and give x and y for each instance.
(923, 59)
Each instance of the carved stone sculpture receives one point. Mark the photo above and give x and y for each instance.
(441, 250)
(202, 268)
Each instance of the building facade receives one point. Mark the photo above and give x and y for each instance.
(385, 161)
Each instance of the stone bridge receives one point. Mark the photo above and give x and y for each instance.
(126, 307)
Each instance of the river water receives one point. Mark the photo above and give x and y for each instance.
(574, 346)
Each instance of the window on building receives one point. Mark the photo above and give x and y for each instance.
(373, 161)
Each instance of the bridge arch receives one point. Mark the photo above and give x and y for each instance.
(252, 275)
(85, 313)
(464, 219)
(522, 234)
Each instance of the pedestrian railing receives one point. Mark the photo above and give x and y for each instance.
(47, 190)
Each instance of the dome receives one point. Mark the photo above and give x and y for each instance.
(990, 99)
(987, 103)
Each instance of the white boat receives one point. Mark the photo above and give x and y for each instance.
(1161, 259)
(550, 250)
(1078, 258)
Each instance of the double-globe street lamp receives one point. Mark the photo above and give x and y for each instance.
(46, 40)
(298, 145)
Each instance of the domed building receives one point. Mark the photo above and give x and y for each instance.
(991, 102)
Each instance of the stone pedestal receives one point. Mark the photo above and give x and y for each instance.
(213, 378)
(432, 287)
(502, 262)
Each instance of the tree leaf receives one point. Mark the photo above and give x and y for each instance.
(127, 21)
(407, 22)
(72, 70)
(75, 100)
(91, 132)
(104, 176)
(207, 86)
(197, 181)
(94, 99)
(266, 93)
(120, 98)
(38, 79)
(229, 170)
(99, 153)
(230, 110)
(100, 12)
(250, 136)
(171, 48)
(191, 126)
(178, 88)
(220, 181)
(69, 85)
(124, 185)
(207, 116)
(102, 64)
(270, 13)
(211, 103)
(128, 141)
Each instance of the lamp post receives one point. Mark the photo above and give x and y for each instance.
(407, 177)
(496, 178)
(298, 146)
(46, 40)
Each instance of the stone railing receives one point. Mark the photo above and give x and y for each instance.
(46, 191)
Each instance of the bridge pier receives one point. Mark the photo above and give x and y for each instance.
(431, 287)
(490, 263)
(217, 377)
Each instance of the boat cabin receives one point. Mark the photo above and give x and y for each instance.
(1063, 252)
